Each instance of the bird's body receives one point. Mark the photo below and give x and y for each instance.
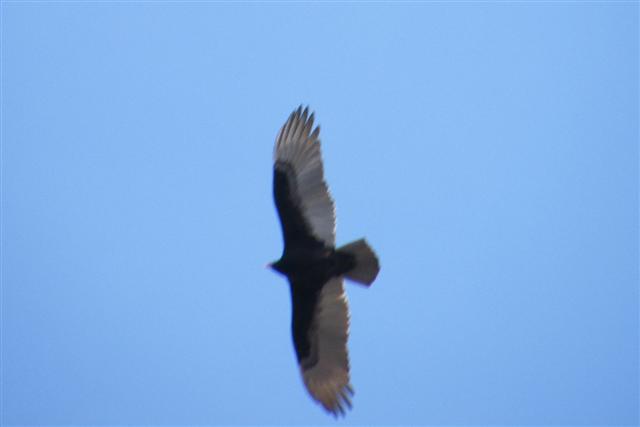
(313, 265)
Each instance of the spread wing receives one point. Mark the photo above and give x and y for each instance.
(320, 333)
(301, 195)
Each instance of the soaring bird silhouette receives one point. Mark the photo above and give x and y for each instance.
(313, 265)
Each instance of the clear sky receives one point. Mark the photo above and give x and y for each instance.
(488, 151)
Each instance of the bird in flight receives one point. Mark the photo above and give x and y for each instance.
(314, 267)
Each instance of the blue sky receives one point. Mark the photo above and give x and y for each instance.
(488, 151)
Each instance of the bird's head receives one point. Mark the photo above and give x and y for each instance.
(277, 266)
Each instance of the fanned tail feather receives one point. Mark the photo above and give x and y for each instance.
(367, 265)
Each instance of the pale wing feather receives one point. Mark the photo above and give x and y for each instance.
(328, 379)
(299, 147)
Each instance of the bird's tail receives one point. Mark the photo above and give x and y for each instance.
(367, 265)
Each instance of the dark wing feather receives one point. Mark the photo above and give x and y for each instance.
(320, 332)
(296, 231)
(304, 299)
(301, 195)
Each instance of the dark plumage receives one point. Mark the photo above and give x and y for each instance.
(312, 264)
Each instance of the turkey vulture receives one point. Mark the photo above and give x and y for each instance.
(313, 265)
